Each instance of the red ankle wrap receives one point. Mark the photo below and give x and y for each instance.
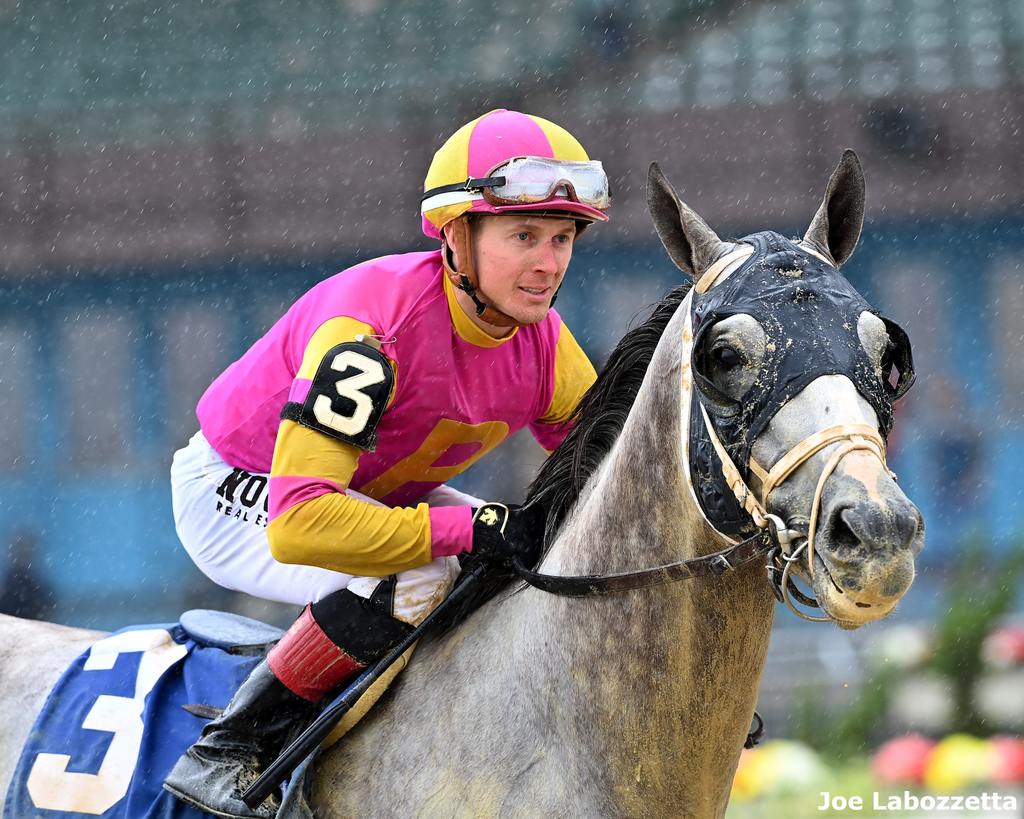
(308, 662)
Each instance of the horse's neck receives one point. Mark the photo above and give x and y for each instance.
(626, 705)
(663, 681)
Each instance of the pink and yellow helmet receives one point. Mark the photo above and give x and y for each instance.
(480, 146)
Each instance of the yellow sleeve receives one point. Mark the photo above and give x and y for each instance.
(313, 521)
(319, 525)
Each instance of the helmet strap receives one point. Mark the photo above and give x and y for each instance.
(466, 278)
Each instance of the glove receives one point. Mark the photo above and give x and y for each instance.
(503, 535)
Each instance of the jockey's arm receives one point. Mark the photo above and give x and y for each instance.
(312, 519)
(574, 375)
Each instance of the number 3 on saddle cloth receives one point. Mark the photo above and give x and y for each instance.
(113, 726)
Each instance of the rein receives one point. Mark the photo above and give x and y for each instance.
(773, 540)
(713, 565)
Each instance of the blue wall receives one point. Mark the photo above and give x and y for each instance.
(103, 520)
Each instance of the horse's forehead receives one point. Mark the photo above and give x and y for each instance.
(809, 313)
(783, 286)
(826, 401)
(789, 288)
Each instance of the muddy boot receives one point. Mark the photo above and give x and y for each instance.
(278, 700)
(236, 747)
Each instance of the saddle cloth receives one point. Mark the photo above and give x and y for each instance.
(113, 725)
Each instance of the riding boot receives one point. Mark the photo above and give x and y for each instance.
(279, 699)
(236, 747)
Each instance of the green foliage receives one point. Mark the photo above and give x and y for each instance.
(809, 720)
(981, 594)
(855, 730)
(852, 732)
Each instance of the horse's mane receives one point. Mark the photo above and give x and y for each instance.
(600, 416)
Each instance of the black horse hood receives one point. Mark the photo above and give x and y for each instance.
(809, 313)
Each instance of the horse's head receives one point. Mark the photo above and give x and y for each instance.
(793, 377)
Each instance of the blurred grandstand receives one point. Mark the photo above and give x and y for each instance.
(173, 175)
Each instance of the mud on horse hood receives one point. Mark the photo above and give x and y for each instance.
(809, 313)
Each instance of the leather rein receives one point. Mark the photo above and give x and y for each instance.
(713, 565)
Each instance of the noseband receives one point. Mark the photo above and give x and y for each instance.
(852, 438)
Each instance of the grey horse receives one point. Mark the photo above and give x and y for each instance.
(634, 704)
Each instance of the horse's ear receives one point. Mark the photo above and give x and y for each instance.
(692, 245)
(836, 226)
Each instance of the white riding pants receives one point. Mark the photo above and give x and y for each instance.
(220, 514)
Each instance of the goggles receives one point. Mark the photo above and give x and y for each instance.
(529, 180)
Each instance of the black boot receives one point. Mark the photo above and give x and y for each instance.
(237, 747)
(281, 697)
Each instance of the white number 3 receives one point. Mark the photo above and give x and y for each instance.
(50, 785)
(370, 372)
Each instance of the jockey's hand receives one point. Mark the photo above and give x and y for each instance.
(501, 535)
(506, 534)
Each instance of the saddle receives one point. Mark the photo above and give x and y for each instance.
(90, 753)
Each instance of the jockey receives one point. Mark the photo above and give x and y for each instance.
(318, 475)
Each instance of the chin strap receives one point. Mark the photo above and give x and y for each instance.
(466, 280)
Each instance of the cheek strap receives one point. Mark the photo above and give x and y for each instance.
(854, 437)
(466, 278)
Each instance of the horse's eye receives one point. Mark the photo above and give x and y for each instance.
(726, 358)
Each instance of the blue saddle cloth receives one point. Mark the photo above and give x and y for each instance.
(113, 725)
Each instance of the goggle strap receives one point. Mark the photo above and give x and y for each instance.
(469, 186)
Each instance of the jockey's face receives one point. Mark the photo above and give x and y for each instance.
(520, 262)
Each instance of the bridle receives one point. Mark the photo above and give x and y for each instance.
(774, 541)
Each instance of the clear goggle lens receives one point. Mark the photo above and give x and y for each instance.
(531, 179)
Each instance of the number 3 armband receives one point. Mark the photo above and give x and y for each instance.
(347, 396)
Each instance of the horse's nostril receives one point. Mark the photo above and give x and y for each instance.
(863, 605)
(841, 534)
(892, 527)
(908, 527)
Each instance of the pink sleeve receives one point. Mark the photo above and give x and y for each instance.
(451, 530)
(551, 436)
(287, 491)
